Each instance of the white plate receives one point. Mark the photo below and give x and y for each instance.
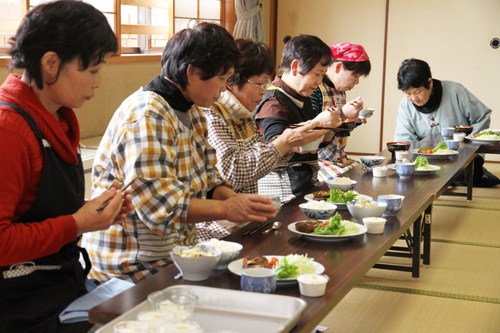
(434, 156)
(418, 172)
(340, 206)
(478, 140)
(237, 266)
(327, 238)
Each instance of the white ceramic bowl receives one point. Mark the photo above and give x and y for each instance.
(227, 256)
(312, 285)
(311, 145)
(365, 113)
(371, 161)
(361, 212)
(379, 171)
(318, 213)
(342, 187)
(374, 225)
(195, 269)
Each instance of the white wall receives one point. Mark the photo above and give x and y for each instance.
(451, 35)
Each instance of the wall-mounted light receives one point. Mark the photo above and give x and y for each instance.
(495, 43)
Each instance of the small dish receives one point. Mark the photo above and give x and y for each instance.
(459, 136)
(379, 172)
(312, 285)
(318, 213)
(371, 161)
(400, 154)
(311, 145)
(374, 225)
(333, 185)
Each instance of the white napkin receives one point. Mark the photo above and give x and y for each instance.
(78, 310)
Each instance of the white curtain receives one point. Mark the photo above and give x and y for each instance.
(248, 20)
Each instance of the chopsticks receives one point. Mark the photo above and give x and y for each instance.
(254, 230)
(123, 189)
(320, 128)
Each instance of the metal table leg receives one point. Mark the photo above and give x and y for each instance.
(427, 235)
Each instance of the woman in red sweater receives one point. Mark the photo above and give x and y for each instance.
(61, 46)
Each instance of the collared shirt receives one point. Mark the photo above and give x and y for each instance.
(243, 156)
(173, 163)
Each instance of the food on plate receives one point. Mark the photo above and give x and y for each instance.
(337, 227)
(338, 196)
(421, 163)
(441, 148)
(321, 195)
(317, 205)
(221, 245)
(341, 181)
(364, 204)
(294, 265)
(195, 252)
(487, 135)
(255, 261)
(308, 226)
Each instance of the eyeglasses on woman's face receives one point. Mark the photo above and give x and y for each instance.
(263, 86)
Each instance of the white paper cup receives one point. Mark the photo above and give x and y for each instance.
(312, 285)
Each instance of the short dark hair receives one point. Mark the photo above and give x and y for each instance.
(358, 67)
(71, 29)
(256, 59)
(206, 46)
(414, 73)
(308, 50)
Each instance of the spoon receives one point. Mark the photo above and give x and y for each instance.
(276, 226)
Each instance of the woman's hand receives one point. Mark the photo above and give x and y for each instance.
(351, 109)
(249, 207)
(88, 218)
(292, 138)
(329, 118)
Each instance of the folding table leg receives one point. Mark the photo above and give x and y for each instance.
(415, 273)
(427, 235)
(470, 179)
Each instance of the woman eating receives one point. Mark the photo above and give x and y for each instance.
(304, 61)
(243, 156)
(159, 135)
(62, 47)
(350, 62)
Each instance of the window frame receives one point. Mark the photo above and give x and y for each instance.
(227, 20)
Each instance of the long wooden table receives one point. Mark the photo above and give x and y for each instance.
(345, 263)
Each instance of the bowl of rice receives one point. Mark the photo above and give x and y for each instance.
(230, 250)
(318, 210)
(361, 209)
(341, 183)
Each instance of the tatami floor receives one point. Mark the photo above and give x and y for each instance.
(458, 292)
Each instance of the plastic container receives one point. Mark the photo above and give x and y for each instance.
(312, 285)
(374, 225)
(401, 154)
(379, 172)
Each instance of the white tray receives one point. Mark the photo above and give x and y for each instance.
(233, 310)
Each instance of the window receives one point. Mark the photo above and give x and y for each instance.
(143, 26)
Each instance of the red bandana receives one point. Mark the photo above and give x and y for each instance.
(349, 52)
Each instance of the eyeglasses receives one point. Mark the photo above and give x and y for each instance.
(262, 86)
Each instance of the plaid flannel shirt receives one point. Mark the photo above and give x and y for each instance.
(173, 163)
(243, 156)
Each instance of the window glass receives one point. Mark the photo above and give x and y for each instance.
(186, 8)
(210, 9)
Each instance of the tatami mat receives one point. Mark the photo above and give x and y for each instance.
(455, 268)
(378, 311)
(466, 225)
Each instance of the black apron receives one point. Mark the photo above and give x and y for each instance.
(34, 293)
(300, 175)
